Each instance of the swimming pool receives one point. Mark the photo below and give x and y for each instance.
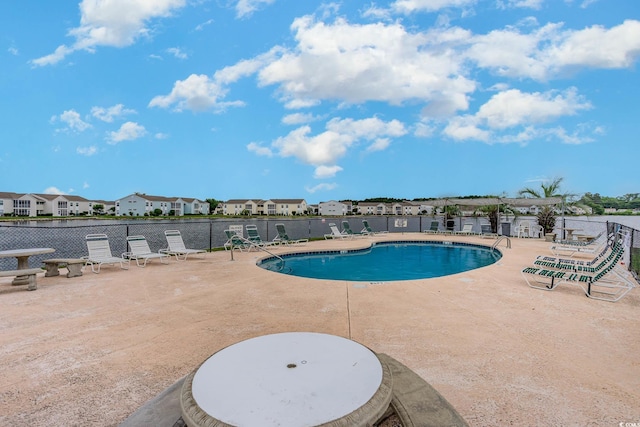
(386, 261)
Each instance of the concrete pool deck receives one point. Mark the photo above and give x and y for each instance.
(92, 350)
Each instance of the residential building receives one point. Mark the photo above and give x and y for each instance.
(371, 208)
(240, 207)
(286, 207)
(140, 204)
(289, 207)
(334, 208)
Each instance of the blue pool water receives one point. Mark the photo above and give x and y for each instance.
(386, 261)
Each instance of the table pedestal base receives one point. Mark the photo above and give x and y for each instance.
(26, 280)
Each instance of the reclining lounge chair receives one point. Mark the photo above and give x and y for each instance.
(100, 253)
(177, 248)
(141, 252)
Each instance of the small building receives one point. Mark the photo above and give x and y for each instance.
(334, 208)
(371, 208)
(140, 204)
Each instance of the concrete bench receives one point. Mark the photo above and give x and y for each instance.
(25, 276)
(74, 266)
(416, 402)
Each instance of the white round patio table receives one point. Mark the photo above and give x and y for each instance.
(288, 379)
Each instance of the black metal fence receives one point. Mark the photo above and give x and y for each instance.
(68, 237)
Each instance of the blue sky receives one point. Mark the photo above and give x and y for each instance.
(318, 100)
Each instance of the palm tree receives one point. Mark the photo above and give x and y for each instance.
(492, 212)
(550, 190)
(546, 215)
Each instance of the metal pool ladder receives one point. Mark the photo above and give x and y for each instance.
(262, 248)
(500, 239)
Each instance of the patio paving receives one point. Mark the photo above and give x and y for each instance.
(94, 349)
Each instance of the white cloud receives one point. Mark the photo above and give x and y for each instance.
(13, 51)
(548, 51)
(127, 132)
(108, 114)
(372, 62)
(410, 6)
(324, 149)
(116, 23)
(530, 4)
(322, 172)
(514, 108)
(466, 127)
(87, 151)
(369, 129)
(160, 135)
(85, 185)
(298, 118)
(513, 116)
(598, 47)
(247, 7)
(586, 3)
(423, 130)
(259, 149)
(177, 52)
(379, 144)
(321, 187)
(52, 190)
(73, 121)
(200, 27)
(574, 138)
(197, 93)
(377, 13)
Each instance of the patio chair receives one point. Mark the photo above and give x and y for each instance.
(254, 237)
(467, 229)
(177, 247)
(575, 247)
(604, 281)
(433, 228)
(346, 229)
(367, 229)
(100, 253)
(141, 252)
(336, 234)
(283, 238)
(449, 227)
(523, 229)
(578, 241)
(486, 233)
(237, 229)
(235, 242)
(571, 263)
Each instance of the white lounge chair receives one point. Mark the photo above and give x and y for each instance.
(572, 248)
(336, 234)
(100, 253)
(467, 229)
(140, 251)
(177, 247)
